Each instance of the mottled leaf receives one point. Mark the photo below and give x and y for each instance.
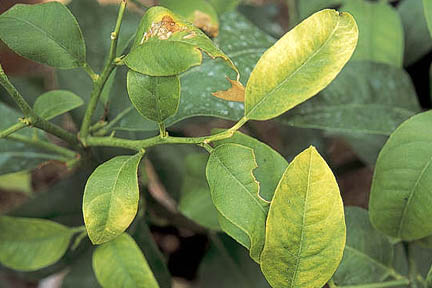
(234, 191)
(111, 197)
(30, 244)
(300, 64)
(198, 12)
(120, 263)
(35, 32)
(305, 231)
(55, 103)
(400, 196)
(381, 37)
(155, 98)
(174, 45)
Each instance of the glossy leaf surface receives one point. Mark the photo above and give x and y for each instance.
(155, 98)
(400, 196)
(55, 103)
(271, 165)
(120, 263)
(368, 253)
(381, 37)
(300, 64)
(35, 32)
(366, 97)
(111, 196)
(234, 191)
(305, 231)
(30, 244)
(174, 45)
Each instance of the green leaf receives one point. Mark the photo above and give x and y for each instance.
(111, 197)
(81, 273)
(418, 41)
(235, 193)
(55, 103)
(228, 265)
(400, 199)
(305, 231)
(300, 64)
(195, 202)
(120, 263)
(224, 6)
(307, 7)
(18, 181)
(198, 12)
(381, 36)
(427, 4)
(196, 96)
(271, 165)
(30, 244)
(366, 97)
(35, 32)
(368, 253)
(174, 45)
(17, 156)
(155, 98)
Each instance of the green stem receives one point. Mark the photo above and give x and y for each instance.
(69, 154)
(412, 266)
(93, 75)
(393, 283)
(33, 118)
(12, 129)
(103, 131)
(99, 83)
(162, 130)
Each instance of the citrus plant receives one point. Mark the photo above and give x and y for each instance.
(192, 58)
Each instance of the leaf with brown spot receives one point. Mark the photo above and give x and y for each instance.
(236, 93)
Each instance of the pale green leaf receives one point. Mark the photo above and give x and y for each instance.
(120, 263)
(196, 96)
(198, 12)
(271, 165)
(429, 279)
(366, 97)
(47, 33)
(418, 41)
(427, 4)
(174, 45)
(305, 231)
(155, 98)
(381, 36)
(18, 181)
(111, 197)
(30, 244)
(234, 191)
(195, 202)
(368, 253)
(300, 64)
(400, 198)
(55, 103)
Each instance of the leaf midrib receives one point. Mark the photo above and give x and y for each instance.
(268, 94)
(44, 33)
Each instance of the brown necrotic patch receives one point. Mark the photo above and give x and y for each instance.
(163, 29)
